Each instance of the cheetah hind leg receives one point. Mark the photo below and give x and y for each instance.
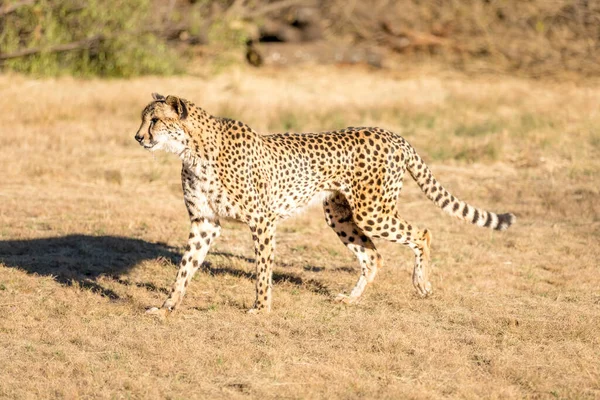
(420, 270)
(398, 230)
(339, 217)
(367, 276)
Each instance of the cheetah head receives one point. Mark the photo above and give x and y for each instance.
(162, 125)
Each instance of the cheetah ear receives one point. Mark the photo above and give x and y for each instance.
(178, 105)
(158, 97)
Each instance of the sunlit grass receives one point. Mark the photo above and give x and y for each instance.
(92, 227)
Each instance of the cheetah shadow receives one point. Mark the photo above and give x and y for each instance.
(279, 277)
(82, 259)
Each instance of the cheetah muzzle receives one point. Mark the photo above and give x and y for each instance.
(230, 171)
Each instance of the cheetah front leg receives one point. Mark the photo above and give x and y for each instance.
(264, 246)
(203, 233)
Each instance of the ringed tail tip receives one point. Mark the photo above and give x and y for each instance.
(504, 221)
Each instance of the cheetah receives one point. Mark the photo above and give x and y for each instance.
(229, 171)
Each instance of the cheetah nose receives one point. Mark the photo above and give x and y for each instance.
(139, 138)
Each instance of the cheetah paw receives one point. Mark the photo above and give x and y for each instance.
(159, 312)
(255, 310)
(342, 298)
(424, 290)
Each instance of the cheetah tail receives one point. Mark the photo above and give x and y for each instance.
(450, 204)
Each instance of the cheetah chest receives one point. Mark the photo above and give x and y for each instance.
(204, 183)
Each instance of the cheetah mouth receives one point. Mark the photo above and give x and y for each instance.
(150, 145)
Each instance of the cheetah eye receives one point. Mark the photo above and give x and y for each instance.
(154, 120)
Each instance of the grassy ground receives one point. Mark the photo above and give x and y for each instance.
(91, 228)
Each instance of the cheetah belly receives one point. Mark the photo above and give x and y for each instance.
(289, 206)
(223, 207)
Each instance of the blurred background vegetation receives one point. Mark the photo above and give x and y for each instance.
(536, 38)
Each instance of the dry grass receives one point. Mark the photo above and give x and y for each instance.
(91, 227)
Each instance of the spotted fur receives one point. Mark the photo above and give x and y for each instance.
(230, 171)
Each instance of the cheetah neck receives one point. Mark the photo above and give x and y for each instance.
(202, 146)
(188, 158)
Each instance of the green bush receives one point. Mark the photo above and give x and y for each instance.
(112, 37)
